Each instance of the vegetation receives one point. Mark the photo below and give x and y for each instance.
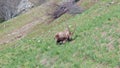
(97, 43)
(1, 20)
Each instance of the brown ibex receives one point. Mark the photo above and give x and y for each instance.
(63, 36)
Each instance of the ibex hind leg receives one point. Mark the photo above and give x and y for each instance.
(59, 42)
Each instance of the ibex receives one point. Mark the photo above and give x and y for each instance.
(63, 36)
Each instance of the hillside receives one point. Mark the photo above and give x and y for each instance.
(96, 43)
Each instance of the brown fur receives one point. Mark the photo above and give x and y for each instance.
(64, 36)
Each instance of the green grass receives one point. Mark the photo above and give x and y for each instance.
(97, 43)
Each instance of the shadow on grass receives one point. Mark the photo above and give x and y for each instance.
(2, 20)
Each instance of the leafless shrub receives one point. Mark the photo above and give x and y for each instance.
(67, 7)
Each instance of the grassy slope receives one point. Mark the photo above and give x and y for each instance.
(28, 17)
(97, 44)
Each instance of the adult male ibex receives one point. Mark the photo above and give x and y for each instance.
(63, 36)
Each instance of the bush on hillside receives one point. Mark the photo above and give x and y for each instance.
(67, 7)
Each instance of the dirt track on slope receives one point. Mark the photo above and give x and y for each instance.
(21, 32)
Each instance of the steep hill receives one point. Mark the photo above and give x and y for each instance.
(96, 43)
